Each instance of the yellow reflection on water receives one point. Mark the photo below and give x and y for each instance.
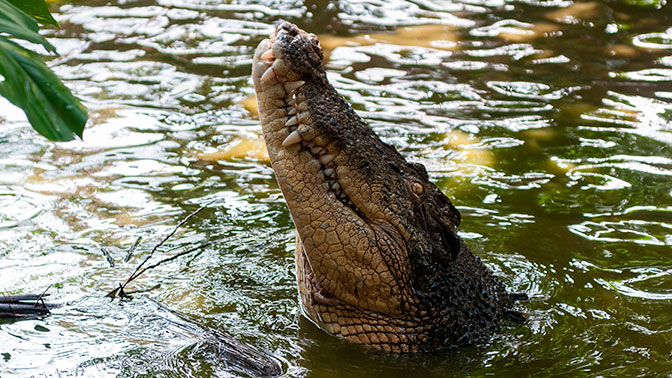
(252, 147)
(575, 13)
(443, 37)
(250, 104)
(520, 34)
(469, 151)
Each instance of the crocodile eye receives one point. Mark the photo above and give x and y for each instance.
(417, 188)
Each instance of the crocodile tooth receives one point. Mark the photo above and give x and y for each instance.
(306, 132)
(328, 171)
(292, 121)
(277, 63)
(336, 186)
(325, 159)
(291, 111)
(316, 150)
(292, 85)
(292, 101)
(268, 75)
(268, 55)
(292, 138)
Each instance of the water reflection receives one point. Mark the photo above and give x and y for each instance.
(547, 122)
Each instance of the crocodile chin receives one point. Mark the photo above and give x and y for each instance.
(378, 258)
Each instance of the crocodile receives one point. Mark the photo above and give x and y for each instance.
(378, 256)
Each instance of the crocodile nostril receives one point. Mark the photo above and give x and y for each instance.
(290, 29)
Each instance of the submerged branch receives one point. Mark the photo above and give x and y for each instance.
(24, 305)
(21, 298)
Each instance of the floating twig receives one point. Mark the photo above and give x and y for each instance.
(131, 250)
(147, 290)
(162, 242)
(139, 269)
(173, 257)
(108, 256)
(40, 298)
(120, 290)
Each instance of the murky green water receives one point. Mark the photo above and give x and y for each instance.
(549, 124)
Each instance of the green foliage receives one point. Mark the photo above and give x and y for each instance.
(36, 8)
(18, 24)
(27, 82)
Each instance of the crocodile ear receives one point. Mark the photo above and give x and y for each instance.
(447, 244)
(439, 249)
(454, 244)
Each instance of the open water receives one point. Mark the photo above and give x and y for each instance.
(547, 122)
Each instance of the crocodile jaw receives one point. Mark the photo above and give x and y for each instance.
(378, 258)
(338, 231)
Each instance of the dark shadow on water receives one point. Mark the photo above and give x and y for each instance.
(329, 356)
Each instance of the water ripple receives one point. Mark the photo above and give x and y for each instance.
(547, 121)
(654, 40)
(526, 181)
(18, 206)
(396, 13)
(625, 231)
(516, 51)
(273, 8)
(537, 91)
(646, 277)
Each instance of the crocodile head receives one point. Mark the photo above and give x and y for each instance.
(378, 257)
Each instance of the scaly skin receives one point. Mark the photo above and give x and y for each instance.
(378, 258)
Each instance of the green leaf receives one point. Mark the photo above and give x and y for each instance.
(37, 9)
(29, 84)
(16, 23)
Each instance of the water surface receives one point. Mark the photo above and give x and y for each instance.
(548, 123)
